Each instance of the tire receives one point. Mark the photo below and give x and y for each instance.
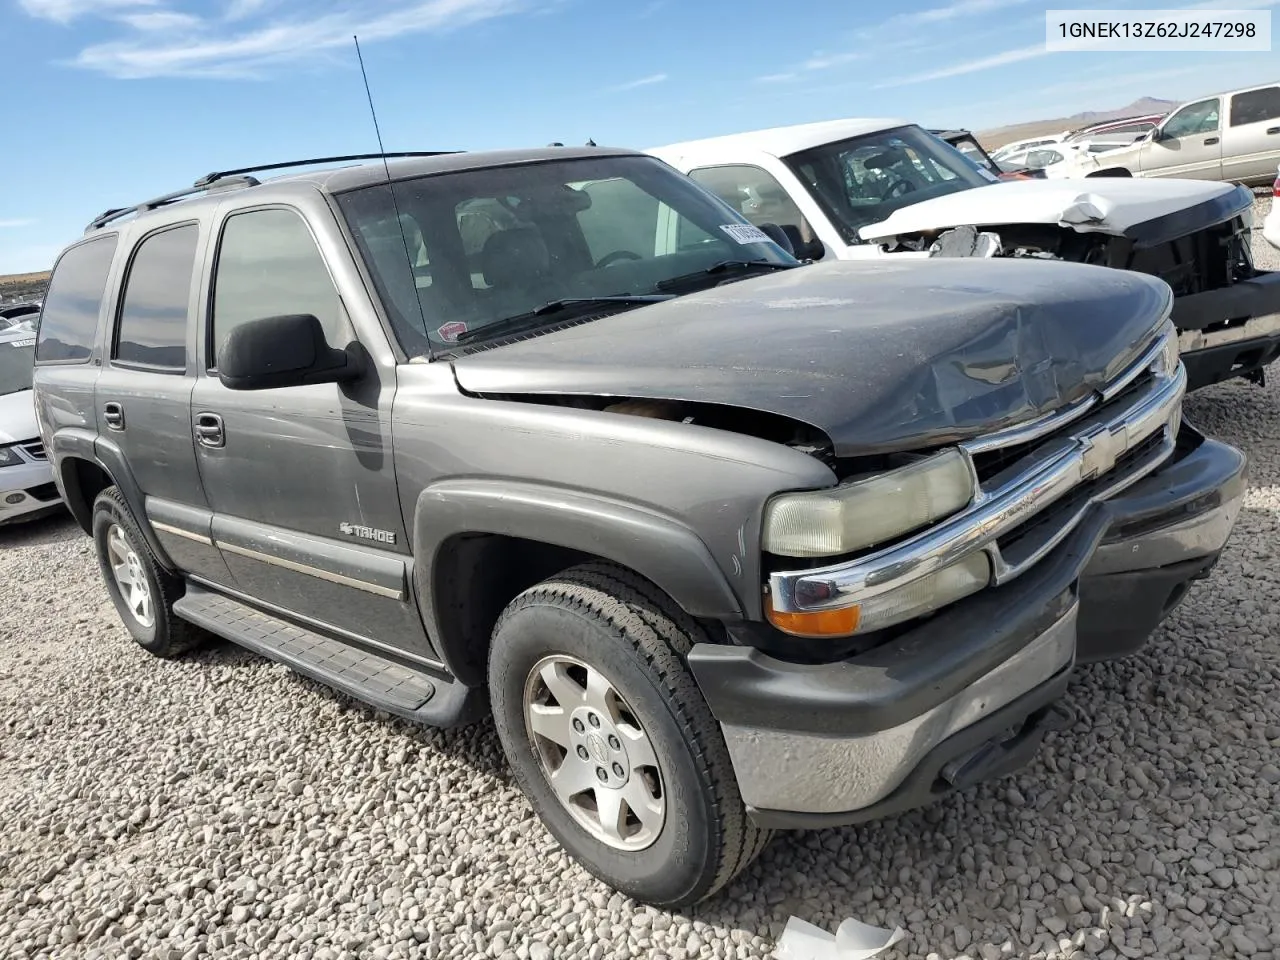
(149, 619)
(604, 621)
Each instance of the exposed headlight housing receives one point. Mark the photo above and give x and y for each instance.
(862, 513)
(9, 457)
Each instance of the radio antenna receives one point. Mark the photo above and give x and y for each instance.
(395, 205)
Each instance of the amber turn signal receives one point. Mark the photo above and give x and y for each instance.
(815, 623)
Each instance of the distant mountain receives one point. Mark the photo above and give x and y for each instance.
(1143, 106)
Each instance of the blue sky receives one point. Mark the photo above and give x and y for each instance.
(113, 101)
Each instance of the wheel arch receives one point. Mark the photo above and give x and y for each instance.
(1110, 172)
(479, 543)
(85, 465)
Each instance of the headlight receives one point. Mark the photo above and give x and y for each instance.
(862, 513)
(915, 599)
(9, 457)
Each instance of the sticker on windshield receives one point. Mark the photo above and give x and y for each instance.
(31, 342)
(451, 331)
(745, 233)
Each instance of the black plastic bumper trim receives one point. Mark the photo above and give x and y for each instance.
(1255, 297)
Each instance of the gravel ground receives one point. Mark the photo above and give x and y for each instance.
(222, 806)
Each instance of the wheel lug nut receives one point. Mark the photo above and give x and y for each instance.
(602, 773)
(617, 770)
(613, 742)
(582, 752)
(593, 720)
(577, 725)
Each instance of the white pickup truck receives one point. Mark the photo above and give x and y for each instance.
(884, 188)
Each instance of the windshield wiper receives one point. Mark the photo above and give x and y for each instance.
(535, 316)
(724, 266)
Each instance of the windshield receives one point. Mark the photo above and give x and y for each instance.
(865, 179)
(17, 362)
(495, 243)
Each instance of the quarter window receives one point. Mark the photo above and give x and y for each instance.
(69, 317)
(154, 313)
(1255, 106)
(269, 266)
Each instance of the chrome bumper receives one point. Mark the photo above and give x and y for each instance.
(1190, 538)
(1257, 328)
(814, 774)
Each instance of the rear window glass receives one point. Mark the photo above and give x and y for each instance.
(1255, 106)
(153, 318)
(69, 318)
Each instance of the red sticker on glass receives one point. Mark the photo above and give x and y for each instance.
(452, 330)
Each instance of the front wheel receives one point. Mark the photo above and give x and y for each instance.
(609, 737)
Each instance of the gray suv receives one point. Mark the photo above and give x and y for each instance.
(725, 543)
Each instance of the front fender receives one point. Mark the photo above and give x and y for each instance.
(653, 545)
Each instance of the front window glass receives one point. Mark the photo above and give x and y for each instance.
(269, 266)
(863, 180)
(1193, 119)
(17, 361)
(758, 196)
(497, 243)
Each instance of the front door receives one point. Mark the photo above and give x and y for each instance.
(300, 479)
(1190, 144)
(143, 394)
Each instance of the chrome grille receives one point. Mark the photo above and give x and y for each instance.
(1033, 484)
(34, 449)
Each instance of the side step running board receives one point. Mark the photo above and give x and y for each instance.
(429, 698)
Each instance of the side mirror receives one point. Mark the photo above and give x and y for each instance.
(1158, 135)
(284, 351)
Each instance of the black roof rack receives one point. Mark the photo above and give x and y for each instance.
(238, 179)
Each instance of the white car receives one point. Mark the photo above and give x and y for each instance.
(1009, 150)
(886, 188)
(1271, 225)
(27, 489)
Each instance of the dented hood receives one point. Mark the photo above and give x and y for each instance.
(879, 356)
(1146, 211)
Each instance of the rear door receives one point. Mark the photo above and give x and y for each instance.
(1251, 140)
(300, 479)
(143, 394)
(1191, 144)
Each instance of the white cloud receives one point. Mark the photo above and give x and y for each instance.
(256, 35)
(971, 66)
(13, 224)
(64, 11)
(636, 84)
(952, 11)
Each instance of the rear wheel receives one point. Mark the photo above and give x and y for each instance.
(142, 591)
(609, 737)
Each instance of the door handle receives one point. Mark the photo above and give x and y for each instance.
(1210, 141)
(209, 431)
(113, 415)
(1273, 129)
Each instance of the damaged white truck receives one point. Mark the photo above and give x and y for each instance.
(884, 188)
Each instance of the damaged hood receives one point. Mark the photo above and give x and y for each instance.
(892, 355)
(1144, 210)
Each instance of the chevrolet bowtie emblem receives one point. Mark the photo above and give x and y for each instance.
(1101, 451)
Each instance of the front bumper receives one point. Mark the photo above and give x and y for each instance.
(968, 693)
(27, 490)
(1164, 533)
(1229, 332)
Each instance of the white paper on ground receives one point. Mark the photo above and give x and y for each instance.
(851, 941)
